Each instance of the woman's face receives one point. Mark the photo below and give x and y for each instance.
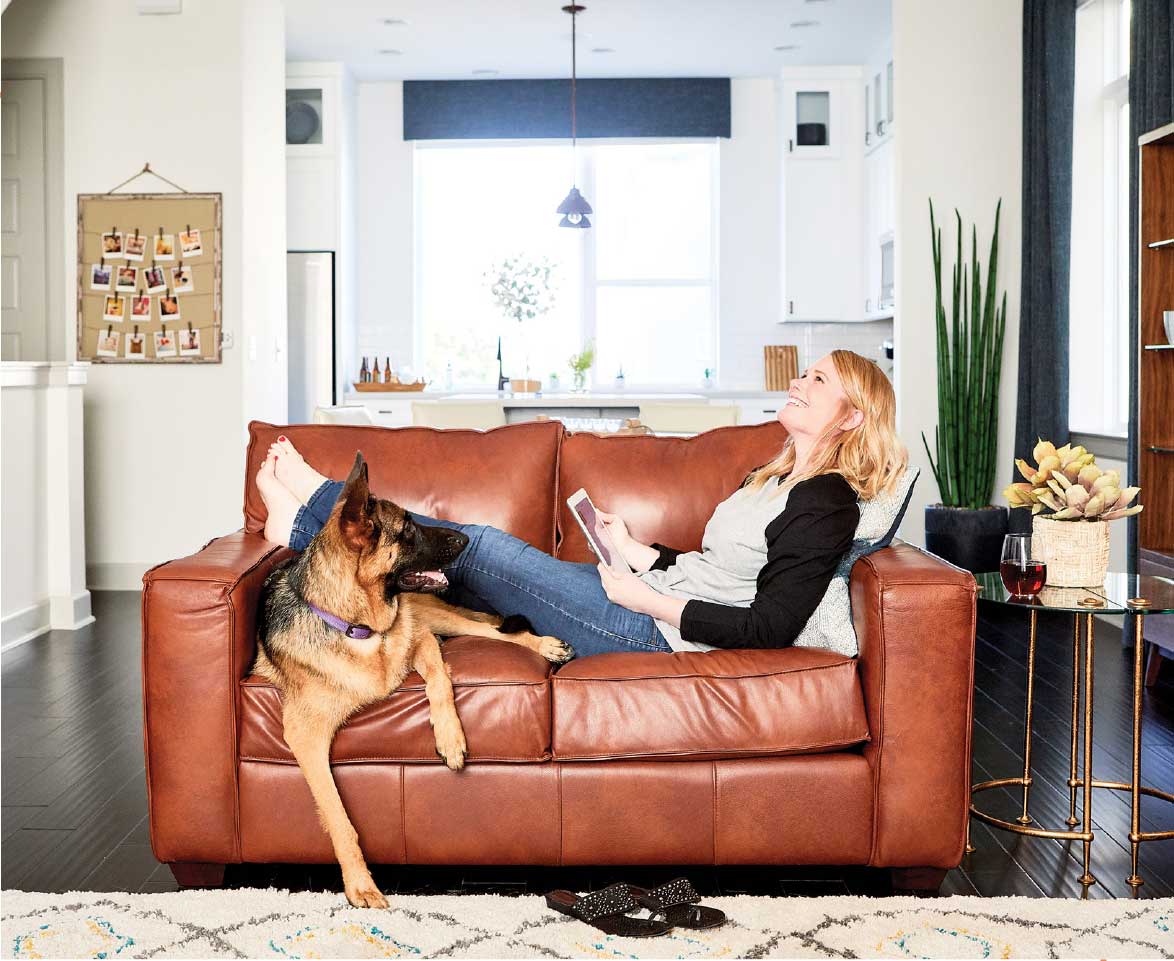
(817, 401)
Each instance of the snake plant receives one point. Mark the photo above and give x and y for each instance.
(970, 356)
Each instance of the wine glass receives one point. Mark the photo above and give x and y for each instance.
(1023, 576)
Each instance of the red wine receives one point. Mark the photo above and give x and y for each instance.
(1024, 581)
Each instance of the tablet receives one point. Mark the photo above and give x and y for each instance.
(596, 534)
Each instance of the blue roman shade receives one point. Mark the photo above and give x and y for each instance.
(541, 109)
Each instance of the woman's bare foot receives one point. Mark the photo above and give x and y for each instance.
(281, 506)
(299, 478)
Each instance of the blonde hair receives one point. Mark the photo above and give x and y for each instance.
(870, 457)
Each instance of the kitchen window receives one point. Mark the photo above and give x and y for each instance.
(640, 282)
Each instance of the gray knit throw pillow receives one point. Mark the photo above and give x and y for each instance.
(830, 625)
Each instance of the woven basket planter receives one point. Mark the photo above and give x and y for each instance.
(1076, 552)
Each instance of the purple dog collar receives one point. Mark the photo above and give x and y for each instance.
(360, 632)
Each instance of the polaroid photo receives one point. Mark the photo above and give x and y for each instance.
(181, 279)
(168, 309)
(189, 343)
(100, 276)
(127, 280)
(164, 247)
(136, 346)
(155, 279)
(140, 310)
(165, 344)
(112, 245)
(114, 309)
(107, 344)
(136, 246)
(190, 244)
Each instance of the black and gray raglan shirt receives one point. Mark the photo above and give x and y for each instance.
(766, 560)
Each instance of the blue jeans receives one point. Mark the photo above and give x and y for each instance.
(498, 573)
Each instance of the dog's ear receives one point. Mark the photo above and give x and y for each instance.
(355, 520)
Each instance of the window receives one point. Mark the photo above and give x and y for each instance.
(639, 282)
(1099, 284)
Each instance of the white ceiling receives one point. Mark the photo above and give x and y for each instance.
(449, 39)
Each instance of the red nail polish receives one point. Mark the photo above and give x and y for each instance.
(281, 438)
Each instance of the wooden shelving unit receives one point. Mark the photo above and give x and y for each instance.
(1156, 367)
(1156, 356)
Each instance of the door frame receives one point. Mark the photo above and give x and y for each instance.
(59, 341)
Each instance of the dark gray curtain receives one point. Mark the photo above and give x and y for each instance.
(1049, 56)
(1151, 104)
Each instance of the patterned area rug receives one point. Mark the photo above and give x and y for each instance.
(268, 923)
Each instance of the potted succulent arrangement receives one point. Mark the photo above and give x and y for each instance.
(1067, 485)
(965, 528)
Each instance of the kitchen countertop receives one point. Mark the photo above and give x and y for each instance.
(619, 398)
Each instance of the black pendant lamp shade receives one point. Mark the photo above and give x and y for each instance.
(575, 207)
(574, 210)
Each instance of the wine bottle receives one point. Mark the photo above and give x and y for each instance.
(387, 371)
(364, 373)
(377, 374)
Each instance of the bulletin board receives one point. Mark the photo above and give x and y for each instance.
(149, 278)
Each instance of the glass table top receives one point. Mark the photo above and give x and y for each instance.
(1111, 597)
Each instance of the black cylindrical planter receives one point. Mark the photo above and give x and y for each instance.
(972, 539)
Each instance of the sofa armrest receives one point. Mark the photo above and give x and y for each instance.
(914, 616)
(199, 624)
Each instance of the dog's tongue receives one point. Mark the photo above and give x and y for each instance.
(428, 578)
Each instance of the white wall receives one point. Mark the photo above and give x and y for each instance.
(165, 445)
(958, 137)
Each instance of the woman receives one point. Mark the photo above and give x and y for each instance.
(767, 556)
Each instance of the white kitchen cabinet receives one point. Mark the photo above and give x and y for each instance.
(879, 219)
(823, 270)
(760, 410)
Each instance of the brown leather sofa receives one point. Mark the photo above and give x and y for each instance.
(788, 756)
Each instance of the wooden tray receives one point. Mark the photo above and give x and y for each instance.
(387, 388)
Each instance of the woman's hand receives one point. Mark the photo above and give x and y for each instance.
(616, 529)
(626, 589)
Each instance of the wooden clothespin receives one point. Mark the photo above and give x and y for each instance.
(189, 326)
(109, 329)
(136, 233)
(102, 260)
(160, 231)
(136, 330)
(189, 229)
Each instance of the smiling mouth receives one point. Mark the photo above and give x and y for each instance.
(796, 401)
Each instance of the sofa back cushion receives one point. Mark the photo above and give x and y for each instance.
(665, 488)
(504, 476)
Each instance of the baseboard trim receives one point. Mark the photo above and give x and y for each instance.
(116, 577)
(22, 626)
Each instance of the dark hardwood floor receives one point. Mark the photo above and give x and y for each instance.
(74, 793)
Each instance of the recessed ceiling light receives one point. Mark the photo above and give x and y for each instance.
(393, 22)
(391, 53)
(603, 50)
(783, 48)
(485, 72)
(800, 24)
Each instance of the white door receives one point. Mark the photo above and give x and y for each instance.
(23, 323)
(310, 293)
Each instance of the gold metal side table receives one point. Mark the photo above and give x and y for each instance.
(1139, 596)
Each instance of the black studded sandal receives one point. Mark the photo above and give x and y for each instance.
(679, 899)
(606, 910)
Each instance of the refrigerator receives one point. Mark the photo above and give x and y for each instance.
(310, 296)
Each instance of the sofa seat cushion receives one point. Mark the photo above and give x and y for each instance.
(502, 694)
(716, 704)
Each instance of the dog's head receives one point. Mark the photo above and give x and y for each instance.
(390, 546)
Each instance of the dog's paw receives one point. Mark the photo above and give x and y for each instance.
(451, 746)
(555, 650)
(364, 894)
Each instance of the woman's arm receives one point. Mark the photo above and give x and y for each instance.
(805, 545)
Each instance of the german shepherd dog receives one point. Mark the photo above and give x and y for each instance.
(370, 567)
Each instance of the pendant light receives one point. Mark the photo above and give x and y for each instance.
(575, 207)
